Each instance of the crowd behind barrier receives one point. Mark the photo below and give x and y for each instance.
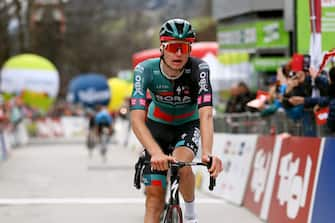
(255, 123)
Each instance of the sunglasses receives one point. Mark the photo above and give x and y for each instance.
(174, 47)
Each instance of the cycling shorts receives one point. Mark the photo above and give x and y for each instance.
(169, 137)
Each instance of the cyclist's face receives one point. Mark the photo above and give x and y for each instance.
(176, 53)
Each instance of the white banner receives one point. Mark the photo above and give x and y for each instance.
(236, 152)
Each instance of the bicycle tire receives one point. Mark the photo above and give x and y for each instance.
(173, 215)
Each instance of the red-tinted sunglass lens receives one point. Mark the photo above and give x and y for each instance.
(174, 47)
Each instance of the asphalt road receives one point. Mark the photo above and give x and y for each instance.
(57, 182)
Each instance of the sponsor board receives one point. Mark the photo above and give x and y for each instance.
(259, 175)
(236, 152)
(294, 181)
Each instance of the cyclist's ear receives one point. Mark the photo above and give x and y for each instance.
(161, 48)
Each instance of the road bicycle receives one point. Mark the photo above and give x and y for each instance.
(104, 140)
(172, 212)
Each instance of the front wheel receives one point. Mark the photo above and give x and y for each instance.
(173, 215)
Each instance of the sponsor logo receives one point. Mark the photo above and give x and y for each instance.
(207, 98)
(133, 101)
(187, 71)
(196, 137)
(161, 86)
(142, 102)
(260, 170)
(138, 86)
(178, 90)
(91, 95)
(203, 82)
(293, 188)
(203, 66)
(174, 100)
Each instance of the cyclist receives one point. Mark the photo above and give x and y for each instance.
(178, 116)
(103, 120)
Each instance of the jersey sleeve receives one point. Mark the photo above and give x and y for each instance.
(138, 96)
(205, 95)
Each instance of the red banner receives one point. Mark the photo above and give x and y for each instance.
(260, 168)
(294, 180)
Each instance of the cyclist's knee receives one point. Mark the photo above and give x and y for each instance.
(155, 197)
(186, 172)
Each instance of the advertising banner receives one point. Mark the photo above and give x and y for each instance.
(295, 178)
(253, 35)
(260, 170)
(327, 25)
(236, 152)
(324, 206)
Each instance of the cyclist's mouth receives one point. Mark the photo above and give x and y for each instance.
(177, 62)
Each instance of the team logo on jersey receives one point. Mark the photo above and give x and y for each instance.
(203, 82)
(178, 90)
(173, 99)
(138, 86)
(187, 71)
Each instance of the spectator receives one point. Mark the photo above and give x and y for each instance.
(240, 96)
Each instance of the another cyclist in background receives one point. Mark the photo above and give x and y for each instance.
(103, 119)
(178, 116)
(104, 127)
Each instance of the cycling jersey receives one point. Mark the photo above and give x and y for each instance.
(174, 102)
(103, 117)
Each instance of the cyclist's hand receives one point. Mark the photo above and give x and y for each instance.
(161, 161)
(216, 167)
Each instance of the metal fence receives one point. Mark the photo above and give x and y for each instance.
(254, 123)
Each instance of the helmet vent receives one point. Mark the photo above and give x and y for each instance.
(180, 27)
(168, 27)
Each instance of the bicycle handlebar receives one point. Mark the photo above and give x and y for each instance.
(178, 164)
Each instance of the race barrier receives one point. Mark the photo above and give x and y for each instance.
(236, 152)
(66, 127)
(279, 179)
(5, 145)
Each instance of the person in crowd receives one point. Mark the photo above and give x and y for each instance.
(323, 100)
(179, 114)
(240, 96)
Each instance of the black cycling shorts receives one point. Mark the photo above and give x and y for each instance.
(169, 137)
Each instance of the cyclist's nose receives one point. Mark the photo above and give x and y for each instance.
(179, 51)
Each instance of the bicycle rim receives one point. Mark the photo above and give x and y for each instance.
(173, 215)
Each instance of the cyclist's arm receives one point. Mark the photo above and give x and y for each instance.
(206, 119)
(142, 132)
(206, 129)
(142, 78)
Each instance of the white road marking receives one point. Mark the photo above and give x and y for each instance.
(54, 201)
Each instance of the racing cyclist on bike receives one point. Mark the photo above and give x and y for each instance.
(178, 116)
(103, 121)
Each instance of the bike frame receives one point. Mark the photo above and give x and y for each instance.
(174, 202)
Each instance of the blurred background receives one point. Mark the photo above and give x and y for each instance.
(272, 73)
